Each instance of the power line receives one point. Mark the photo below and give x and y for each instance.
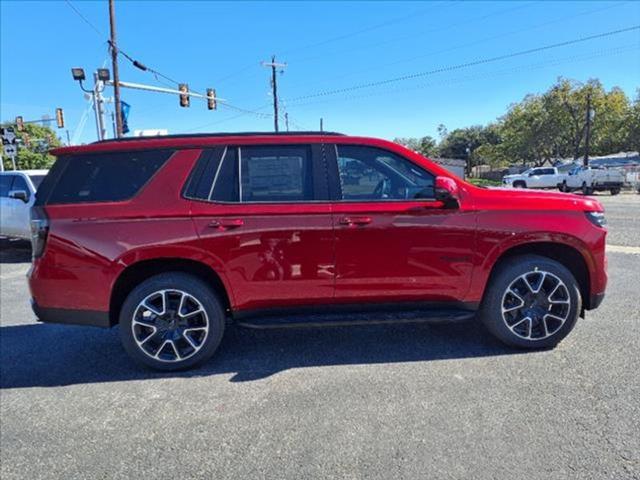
(85, 19)
(421, 32)
(473, 43)
(465, 65)
(361, 31)
(473, 77)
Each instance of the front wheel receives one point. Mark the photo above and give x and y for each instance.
(586, 190)
(615, 191)
(172, 321)
(532, 302)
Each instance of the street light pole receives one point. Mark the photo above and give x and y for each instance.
(98, 106)
(116, 75)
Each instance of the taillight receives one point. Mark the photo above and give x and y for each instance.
(39, 230)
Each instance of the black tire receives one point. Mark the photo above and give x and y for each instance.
(206, 309)
(586, 190)
(563, 187)
(615, 191)
(505, 326)
(519, 184)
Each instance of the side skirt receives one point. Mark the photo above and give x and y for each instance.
(353, 315)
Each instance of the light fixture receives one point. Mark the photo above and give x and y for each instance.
(78, 74)
(104, 74)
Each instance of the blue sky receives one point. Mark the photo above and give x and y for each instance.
(327, 46)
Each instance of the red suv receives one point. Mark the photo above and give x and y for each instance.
(171, 237)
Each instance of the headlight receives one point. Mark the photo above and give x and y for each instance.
(597, 218)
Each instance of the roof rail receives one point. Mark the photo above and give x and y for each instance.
(225, 134)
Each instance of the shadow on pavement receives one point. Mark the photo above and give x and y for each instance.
(14, 251)
(40, 355)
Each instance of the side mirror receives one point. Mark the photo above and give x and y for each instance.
(19, 195)
(446, 191)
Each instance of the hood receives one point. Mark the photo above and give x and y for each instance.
(523, 199)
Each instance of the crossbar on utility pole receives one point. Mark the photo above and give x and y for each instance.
(116, 75)
(274, 87)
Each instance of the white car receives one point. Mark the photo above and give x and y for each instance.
(590, 179)
(539, 177)
(17, 194)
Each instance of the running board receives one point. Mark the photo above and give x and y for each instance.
(356, 319)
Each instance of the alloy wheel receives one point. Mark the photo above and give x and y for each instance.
(536, 305)
(170, 325)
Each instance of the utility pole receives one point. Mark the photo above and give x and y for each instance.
(321, 125)
(585, 161)
(286, 120)
(274, 87)
(116, 76)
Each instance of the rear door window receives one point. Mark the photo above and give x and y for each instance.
(260, 173)
(105, 177)
(275, 174)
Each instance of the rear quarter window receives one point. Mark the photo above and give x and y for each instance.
(104, 177)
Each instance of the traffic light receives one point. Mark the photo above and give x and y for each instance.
(20, 123)
(59, 118)
(184, 94)
(211, 99)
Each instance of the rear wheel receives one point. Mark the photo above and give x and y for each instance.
(615, 191)
(563, 186)
(532, 302)
(172, 321)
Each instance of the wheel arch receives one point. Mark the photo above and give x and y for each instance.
(567, 255)
(137, 272)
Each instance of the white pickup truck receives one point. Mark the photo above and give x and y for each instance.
(591, 179)
(17, 194)
(539, 177)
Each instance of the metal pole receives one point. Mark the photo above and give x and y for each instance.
(274, 85)
(116, 75)
(96, 108)
(1, 163)
(585, 161)
(100, 108)
(286, 120)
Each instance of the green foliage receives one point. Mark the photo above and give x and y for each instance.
(545, 127)
(34, 142)
(425, 146)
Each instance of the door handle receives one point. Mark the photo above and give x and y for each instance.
(226, 223)
(361, 221)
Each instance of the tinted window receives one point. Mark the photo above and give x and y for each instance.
(106, 177)
(5, 184)
(547, 171)
(226, 181)
(275, 174)
(368, 173)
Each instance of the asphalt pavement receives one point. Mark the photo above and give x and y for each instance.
(376, 402)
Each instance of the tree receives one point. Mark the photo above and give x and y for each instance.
(34, 143)
(426, 146)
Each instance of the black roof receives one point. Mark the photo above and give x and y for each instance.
(220, 134)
